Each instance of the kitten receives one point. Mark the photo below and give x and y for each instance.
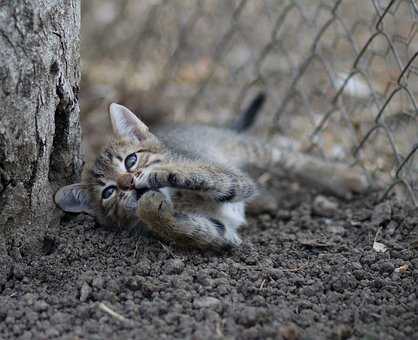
(187, 183)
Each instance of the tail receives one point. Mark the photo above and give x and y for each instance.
(247, 117)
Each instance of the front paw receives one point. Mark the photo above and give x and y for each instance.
(151, 178)
(153, 205)
(159, 177)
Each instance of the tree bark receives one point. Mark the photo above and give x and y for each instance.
(39, 117)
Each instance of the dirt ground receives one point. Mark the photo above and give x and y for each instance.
(303, 273)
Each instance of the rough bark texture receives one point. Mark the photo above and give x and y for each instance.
(39, 118)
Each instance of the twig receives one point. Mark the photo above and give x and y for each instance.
(262, 284)
(112, 313)
(219, 329)
(377, 234)
(296, 269)
(136, 248)
(167, 249)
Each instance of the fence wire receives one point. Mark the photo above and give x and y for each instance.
(341, 76)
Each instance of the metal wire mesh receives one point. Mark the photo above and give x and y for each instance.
(341, 76)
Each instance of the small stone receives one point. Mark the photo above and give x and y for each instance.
(6, 269)
(289, 332)
(60, 318)
(395, 276)
(134, 283)
(265, 218)
(378, 283)
(27, 335)
(323, 206)
(283, 215)
(381, 213)
(343, 332)
(386, 266)
(308, 291)
(175, 266)
(356, 265)
(10, 320)
(29, 298)
(391, 227)
(98, 282)
(18, 271)
(83, 311)
(359, 274)
(40, 306)
(205, 302)
(52, 333)
(248, 317)
(85, 292)
(203, 278)
(337, 229)
(31, 316)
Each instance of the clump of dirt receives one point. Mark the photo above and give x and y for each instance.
(305, 272)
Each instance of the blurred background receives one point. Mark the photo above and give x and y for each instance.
(340, 76)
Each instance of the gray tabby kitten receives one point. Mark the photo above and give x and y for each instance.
(186, 183)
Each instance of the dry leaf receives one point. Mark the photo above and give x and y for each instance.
(379, 247)
(402, 269)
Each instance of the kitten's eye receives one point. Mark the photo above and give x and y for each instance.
(130, 161)
(108, 191)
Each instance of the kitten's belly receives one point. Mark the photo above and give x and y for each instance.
(232, 214)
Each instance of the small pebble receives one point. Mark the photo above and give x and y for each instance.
(248, 316)
(98, 282)
(40, 306)
(289, 332)
(85, 292)
(323, 206)
(386, 267)
(205, 302)
(381, 213)
(29, 298)
(175, 266)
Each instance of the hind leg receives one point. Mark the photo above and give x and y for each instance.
(185, 229)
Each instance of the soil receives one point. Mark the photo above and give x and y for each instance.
(308, 271)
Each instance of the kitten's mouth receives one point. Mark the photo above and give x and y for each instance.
(140, 192)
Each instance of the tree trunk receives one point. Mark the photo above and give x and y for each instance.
(39, 118)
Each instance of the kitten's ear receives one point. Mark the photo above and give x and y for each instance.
(126, 124)
(74, 198)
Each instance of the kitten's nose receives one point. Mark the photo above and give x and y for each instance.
(125, 181)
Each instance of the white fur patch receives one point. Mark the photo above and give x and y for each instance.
(233, 214)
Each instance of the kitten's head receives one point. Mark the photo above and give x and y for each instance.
(108, 189)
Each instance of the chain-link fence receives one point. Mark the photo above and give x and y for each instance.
(341, 76)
